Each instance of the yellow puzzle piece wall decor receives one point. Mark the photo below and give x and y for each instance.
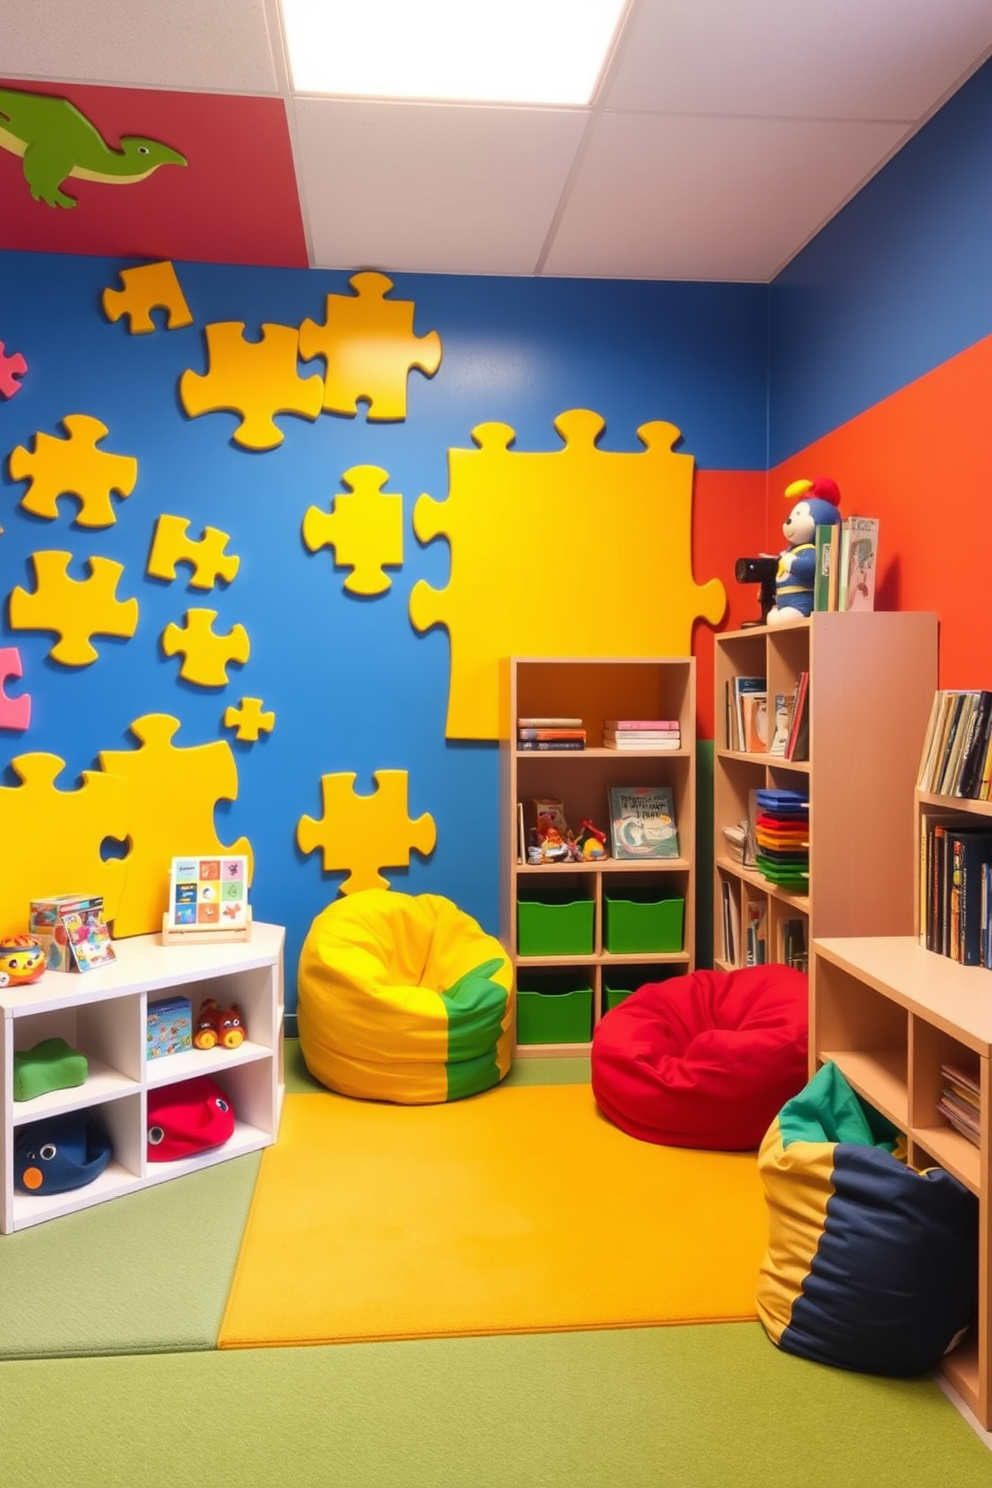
(248, 720)
(75, 609)
(148, 287)
(364, 833)
(206, 654)
(172, 794)
(365, 529)
(369, 348)
(52, 837)
(207, 555)
(256, 379)
(73, 466)
(576, 552)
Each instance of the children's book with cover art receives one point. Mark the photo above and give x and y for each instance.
(642, 822)
(208, 892)
(862, 558)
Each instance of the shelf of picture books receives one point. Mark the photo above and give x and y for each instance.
(913, 1035)
(819, 724)
(149, 1063)
(597, 874)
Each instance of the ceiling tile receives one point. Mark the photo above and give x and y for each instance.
(432, 188)
(196, 44)
(676, 198)
(846, 59)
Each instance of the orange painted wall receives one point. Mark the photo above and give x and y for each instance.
(921, 461)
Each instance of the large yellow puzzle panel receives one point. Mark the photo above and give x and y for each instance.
(575, 552)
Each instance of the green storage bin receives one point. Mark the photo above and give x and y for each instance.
(614, 996)
(554, 929)
(620, 982)
(640, 924)
(554, 1013)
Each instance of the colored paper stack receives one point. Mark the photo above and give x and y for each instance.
(782, 837)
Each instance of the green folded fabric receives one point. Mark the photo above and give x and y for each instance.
(50, 1065)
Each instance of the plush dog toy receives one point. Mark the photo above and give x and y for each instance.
(816, 505)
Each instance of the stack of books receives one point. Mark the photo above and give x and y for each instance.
(781, 832)
(641, 733)
(957, 751)
(961, 1100)
(550, 733)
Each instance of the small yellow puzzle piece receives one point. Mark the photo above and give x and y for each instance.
(205, 654)
(206, 555)
(52, 837)
(620, 521)
(256, 379)
(73, 467)
(172, 794)
(75, 609)
(248, 720)
(362, 833)
(365, 529)
(369, 347)
(146, 288)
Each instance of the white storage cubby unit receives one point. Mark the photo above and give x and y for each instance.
(103, 1014)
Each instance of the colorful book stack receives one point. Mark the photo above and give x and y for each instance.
(550, 733)
(961, 1100)
(782, 835)
(641, 733)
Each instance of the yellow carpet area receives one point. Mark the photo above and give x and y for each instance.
(522, 1210)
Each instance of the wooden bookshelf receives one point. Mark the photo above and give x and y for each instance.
(888, 1013)
(871, 684)
(594, 689)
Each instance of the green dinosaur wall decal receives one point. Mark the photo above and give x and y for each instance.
(56, 141)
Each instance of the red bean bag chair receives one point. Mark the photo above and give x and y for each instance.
(704, 1060)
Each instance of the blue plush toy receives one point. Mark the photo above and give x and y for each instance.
(816, 505)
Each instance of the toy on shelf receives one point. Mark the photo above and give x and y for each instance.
(72, 931)
(816, 504)
(218, 1025)
(591, 842)
(208, 901)
(187, 1118)
(59, 1153)
(169, 1027)
(50, 1065)
(22, 960)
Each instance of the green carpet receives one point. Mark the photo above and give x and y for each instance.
(704, 1407)
(147, 1273)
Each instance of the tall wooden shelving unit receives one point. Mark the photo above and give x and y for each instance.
(871, 683)
(888, 1013)
(594, 690)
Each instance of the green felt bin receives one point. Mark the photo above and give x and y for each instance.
(643, 924)
(547, 929)
(550, 1013)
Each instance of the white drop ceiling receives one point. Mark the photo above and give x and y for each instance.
(723, 135)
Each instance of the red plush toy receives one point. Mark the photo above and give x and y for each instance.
(187, 1118)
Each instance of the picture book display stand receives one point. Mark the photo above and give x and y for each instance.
(208, 901)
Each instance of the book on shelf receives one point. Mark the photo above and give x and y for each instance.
(731, 922)
(737, 689)
(735, 842)
(755, 705)
(794, 949)
(547, 744)
(642, 739)
(555, 723)
(550, 733)
(641, 725)
(756, 918)
(826, 543)
(781, 723)
(797, 745)
(859, 563)
(956, 749)
(642, 822)
(542, 813)
(969, 850)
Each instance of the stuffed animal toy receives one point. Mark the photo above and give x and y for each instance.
(816, 505)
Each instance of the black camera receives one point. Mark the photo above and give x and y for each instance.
(761, 571)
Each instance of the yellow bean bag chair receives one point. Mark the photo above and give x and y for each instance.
(404, 998)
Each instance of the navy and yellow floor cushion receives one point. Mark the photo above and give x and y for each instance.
(871, 1265)
(58, 1153)
(49, 1065)
(704, 1060)
(404, 998)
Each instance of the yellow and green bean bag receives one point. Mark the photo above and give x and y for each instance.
(404, 998)
(871, 1264)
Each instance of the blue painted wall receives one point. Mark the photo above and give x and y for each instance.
(897, 283)
(354, 687)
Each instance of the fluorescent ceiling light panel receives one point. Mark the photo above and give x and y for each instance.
(492, 51)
